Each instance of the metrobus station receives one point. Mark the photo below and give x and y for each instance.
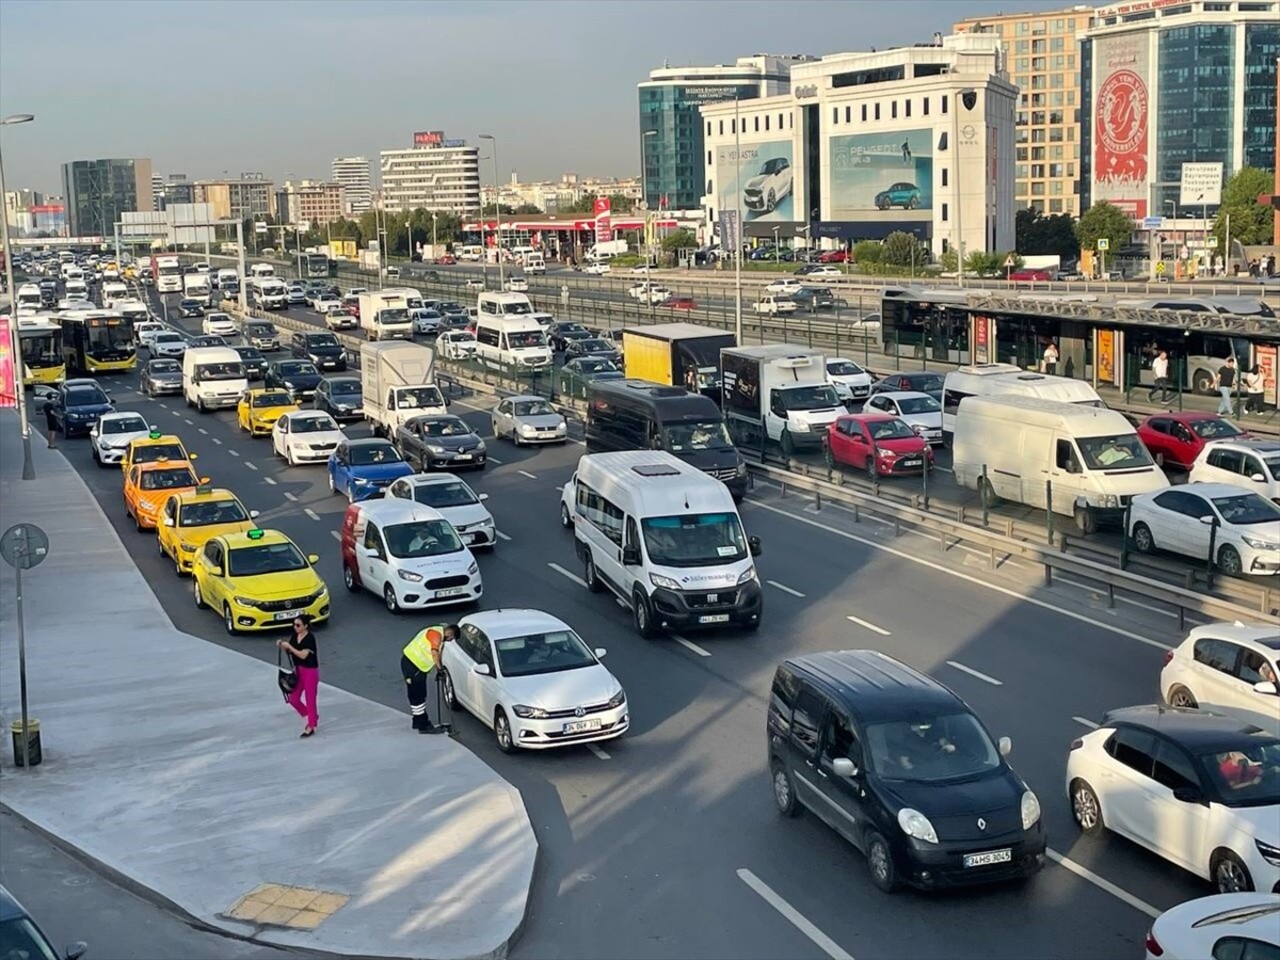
(568, 236)
(1106, 344)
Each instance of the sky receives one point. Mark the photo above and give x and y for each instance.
(281, 87)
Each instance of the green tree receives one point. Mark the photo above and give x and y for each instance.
(1251, 222)
(1104, 221)
(682, 239)
(527, 209)
(1038, 235)
(867, 252)
(901, 249)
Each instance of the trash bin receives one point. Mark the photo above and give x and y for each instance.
(33, 742)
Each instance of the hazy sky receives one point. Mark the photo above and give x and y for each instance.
(283, 87)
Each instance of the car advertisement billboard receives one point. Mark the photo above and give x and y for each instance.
(764, 172)
(1121, 111)
(882, 176)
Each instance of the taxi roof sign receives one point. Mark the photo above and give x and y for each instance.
(254, 534)
(153, 434)
(204, 487)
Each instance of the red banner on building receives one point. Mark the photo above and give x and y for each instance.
(9, 385)
(1122, 112)
(604, 225)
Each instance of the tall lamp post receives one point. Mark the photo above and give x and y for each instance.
(20, 394)
(644, 189)
(737, 228)
(497, 207)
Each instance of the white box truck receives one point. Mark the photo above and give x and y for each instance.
(196, 286)
(384, 315)
(397, 382)
(778, 391)
(213, 378)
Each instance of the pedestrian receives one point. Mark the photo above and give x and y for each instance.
(1254, 384)
(1160, 371)
(1225, 382)
(1051, 358)
(306, 663)
(417, 660)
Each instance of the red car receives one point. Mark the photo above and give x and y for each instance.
(833, 256)
(679, 303)
(1039, 275)
(880, 444)
(1176, 439)
(446, 260)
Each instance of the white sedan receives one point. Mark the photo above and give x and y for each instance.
(786, 285)
(112, 434)
(1243, 925)
(518, 284)
(167, 343)
(532, 680)
(145, 330)
(306, 436)
(1244, 527)
(921, 412)
(456, 345)
(596, 269)
(455, 500)
(219, 324)
(1229, 668)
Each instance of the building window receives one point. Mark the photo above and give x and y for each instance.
(893, 109)
(1037, 189)
(877, 109)
(907, 106)
(848, 114)
(835, 114)
(766, 123)
(757, 119)
(780, 123)
(708, 162)
(945, 211)
(944, 176)
(1037, 118)
(864, 113)
(722, 128)
(1038, 46)
(708, 128)
(944, 103)
(924, 107)
(1055, 206)
(1057, 44)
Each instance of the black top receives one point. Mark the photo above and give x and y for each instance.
(306, 643)
(1227, 376)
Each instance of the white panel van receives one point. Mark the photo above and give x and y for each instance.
(212, 378)
(1006, 379)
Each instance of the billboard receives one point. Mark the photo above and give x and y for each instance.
(604, 228)
(1121, 122)
(8, 368)
(1201, 184)
(765, 174)
(428, 138)
(882, 176)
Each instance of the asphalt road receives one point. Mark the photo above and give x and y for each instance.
(644, 841)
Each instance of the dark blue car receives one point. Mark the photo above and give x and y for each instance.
(361, 469)
(76, 407)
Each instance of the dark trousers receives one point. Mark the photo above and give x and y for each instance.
(1254, 403)
(415, 682)
(1162, 387)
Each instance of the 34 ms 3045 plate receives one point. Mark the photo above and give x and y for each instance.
(987, 858)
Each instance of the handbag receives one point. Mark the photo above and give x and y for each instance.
(286, 677)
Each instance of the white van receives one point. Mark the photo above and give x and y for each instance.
(76, 289)
(71, 272)
(212, 378)
(666, 539)
(1007, 379)
(1009, 448)
(226, 276)
(509, 332)
(114, 290)
(195, 286)
(262, 270)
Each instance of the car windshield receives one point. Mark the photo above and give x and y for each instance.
(530, 338)
(571, 328)
(298, 370)
(221, 371)
(516, 309)
(1247, 508)
(1272, 463)
(694, 540)
(204, 513)
(166, 337)
(536, 653)
(594, 345)
(264, 558)
(164, 366)
(950, 747)
(85, 396)
(1214, 429)
(809, 398)
(1114, 453)
(454, 493)
(421, 538)
(322, 340)
(596, 366)
(926, 384)
(462, 336)
(315, 424)
(415, 397)
(167, 478)
(344, 387)
(249, 353)
(20, 940)
(534, 408)
(844, 368)
(273, 400)
(445, 427)
(218, 318)
(368, 454)
(1248, 776)
(153, 452)
(698, 435)
(911, 405)
(891, 430)
(451, 306)
(124, 425)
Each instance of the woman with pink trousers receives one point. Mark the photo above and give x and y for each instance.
(306, 664)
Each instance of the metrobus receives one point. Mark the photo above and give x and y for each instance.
(97, 341)
(319, 265)
(40, 339)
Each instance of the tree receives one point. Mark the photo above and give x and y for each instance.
(682, 239)
(527, 209)
(1038, 235)
(1104, 221)
(901, 249)
(1251, 222)
(866, 252)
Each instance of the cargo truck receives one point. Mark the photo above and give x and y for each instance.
(778, 392)
(384, 315)
(397, 382)
(677, 355)
(166, 271)
(195, 286)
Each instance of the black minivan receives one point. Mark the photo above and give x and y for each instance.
(902, 768)
(641, 415)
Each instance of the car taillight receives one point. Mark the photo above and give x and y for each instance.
(1168, 655)
(1077, 743)
(1153, 945)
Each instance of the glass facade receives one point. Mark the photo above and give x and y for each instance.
(97, 192)
(1261, 48)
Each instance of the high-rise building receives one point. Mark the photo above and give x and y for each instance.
(311, 202)
(671, 144)
(157, 191)
(434, 174)
(247, 196)
(353, 174)
(1042, 52)
(98, 191)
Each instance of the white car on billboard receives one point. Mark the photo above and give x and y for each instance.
(766, 189)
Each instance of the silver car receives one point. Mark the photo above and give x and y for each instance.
(161, 376)
(527, 419)
(168, 344)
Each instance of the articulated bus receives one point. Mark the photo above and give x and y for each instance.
(97, 341)
(319, 265)
(40, 339)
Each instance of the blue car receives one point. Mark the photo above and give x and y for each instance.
(905, 195)
(361, 469)
(76, 407)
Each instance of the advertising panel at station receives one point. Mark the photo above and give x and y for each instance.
(764, 172)
(882, 176)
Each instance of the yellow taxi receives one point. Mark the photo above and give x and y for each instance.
(257, 580)
(259, 410)
(190, 518)
(154, 446)
(148, 485)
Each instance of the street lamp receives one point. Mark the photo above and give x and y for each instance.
(20, 395)
(434, 252)
(497, 207)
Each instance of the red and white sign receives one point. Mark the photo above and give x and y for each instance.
(1121, 124)
(428, 138)
(604, 228)
(9, 386)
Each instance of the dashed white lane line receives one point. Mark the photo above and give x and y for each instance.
(251, 465)
(597, 751)
(1085, 721)
(311, 513)
(974, 673)
(216, 440)
(690, 645)
(784, 588)
(176, 413)
(501, 535)
(565, 573)
(794, 916)
(526, 473)
(493, 459)
(870, 626)
(290, 496)
(1107, 885)
(234, 452)
(188, 421)
(203, 431)
(269, 480)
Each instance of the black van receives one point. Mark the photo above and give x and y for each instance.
(902, 768)
(641, 415)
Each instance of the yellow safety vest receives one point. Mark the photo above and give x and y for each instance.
(421, 649)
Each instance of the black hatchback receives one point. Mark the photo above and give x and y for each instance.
(899, 766)
(299, 377)
(322, 349)
(255, 364)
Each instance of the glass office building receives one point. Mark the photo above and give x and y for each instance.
(97, 192)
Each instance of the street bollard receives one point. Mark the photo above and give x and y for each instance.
(924, 479)
(1209, 566)
(1048, 499)
(982, 495)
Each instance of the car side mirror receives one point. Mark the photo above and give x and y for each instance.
(844, 767)
(76, 950)
(600, 652)
(1257, 478)
(631, 556)
(313, 558)
(1005, 745)
(484, 497)
(448, 402)
(1188, 794)
(482, 670)
(253, 514)
(364, 551)
(1267, 687)
(755, 546)
(1207, 520)
(169, 522)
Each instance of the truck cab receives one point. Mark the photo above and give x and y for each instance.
(779, 392)
(397, 381)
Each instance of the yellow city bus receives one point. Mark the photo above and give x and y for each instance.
(97, 341)
(40, 339)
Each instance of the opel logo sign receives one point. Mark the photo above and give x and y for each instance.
(982, 824)
(579, 712)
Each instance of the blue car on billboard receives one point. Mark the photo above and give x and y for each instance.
(364, 468)
(902, 194)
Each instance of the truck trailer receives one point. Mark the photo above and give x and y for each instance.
(778, 392)
(676, 354)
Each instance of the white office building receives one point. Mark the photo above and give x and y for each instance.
(437, 174)
(357, 185)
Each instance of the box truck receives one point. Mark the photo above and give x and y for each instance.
(166, 271)
(195, 286)
(384, 315)
(778, 391)
(397, 382)
(676, 354)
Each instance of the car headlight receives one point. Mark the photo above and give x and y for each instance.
(288, 385)
(1110, 500)
(525, 428)
(617, 700)
(1030, 810)
(796, 426)
(473, 569)
(481, 447)
(1270, 852)
(187, 547)
(1260, 544)
(741, 469)
(886, 454)
(658, 580)
(747, 575)
(245, 601)
(409, 575)
(146, 504)
(529, 713)
(435, 448)
(916, 824)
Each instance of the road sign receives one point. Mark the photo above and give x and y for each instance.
(1152, 223)
(1104, 244)
(1213, 243)
(1159, 268)
(24, 545)
(259, 227)
(1010, 262)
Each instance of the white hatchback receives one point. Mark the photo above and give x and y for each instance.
(1251, 464)
(455, 500)
(306, 436)
(1183, 519)
(1229, 668)
(920, 411)
(113, 433)
(530, 678)
(167, 343)
(1240, 925)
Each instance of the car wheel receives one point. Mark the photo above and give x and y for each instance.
(1229, 561)
(229, 620)
(884, 873)
(642, 616)
(565, 520)
(1202, 382)
(195, 594)
(1229, 873)
(1182, 697)
(288, 456)
(502, 732)
(784, 791)
(913, 203)
(200, 407)
(1085, 808)
(1086, 520)
(389, 598)
(1143, 541)
(590, 576)
(349, 578)
(450, 697)
(772, 202)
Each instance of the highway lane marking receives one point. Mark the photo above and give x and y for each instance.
(563, 572)
(1085, 722)
(312, 514)
(1102, 884)
(335, 534)
(216, 440)
(974, 673)
(1034, 601)
(188, 421)
(202, 430)
(794, 916)
(176, 413)
(870, 626)
(526, 473)
(784, 588)
(233, 451)
(501, 535)
(690, 645)
(251, 465)
(290, 496)
(493, 459)
(597, 751)
(269, 480)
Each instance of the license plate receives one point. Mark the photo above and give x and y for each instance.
(578, 726)
(911, 463)
(988, 858)
(714, 618)
(462, 456)
(286, 614)
(451, 592)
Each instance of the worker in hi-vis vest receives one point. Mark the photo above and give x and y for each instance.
(420, 657)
